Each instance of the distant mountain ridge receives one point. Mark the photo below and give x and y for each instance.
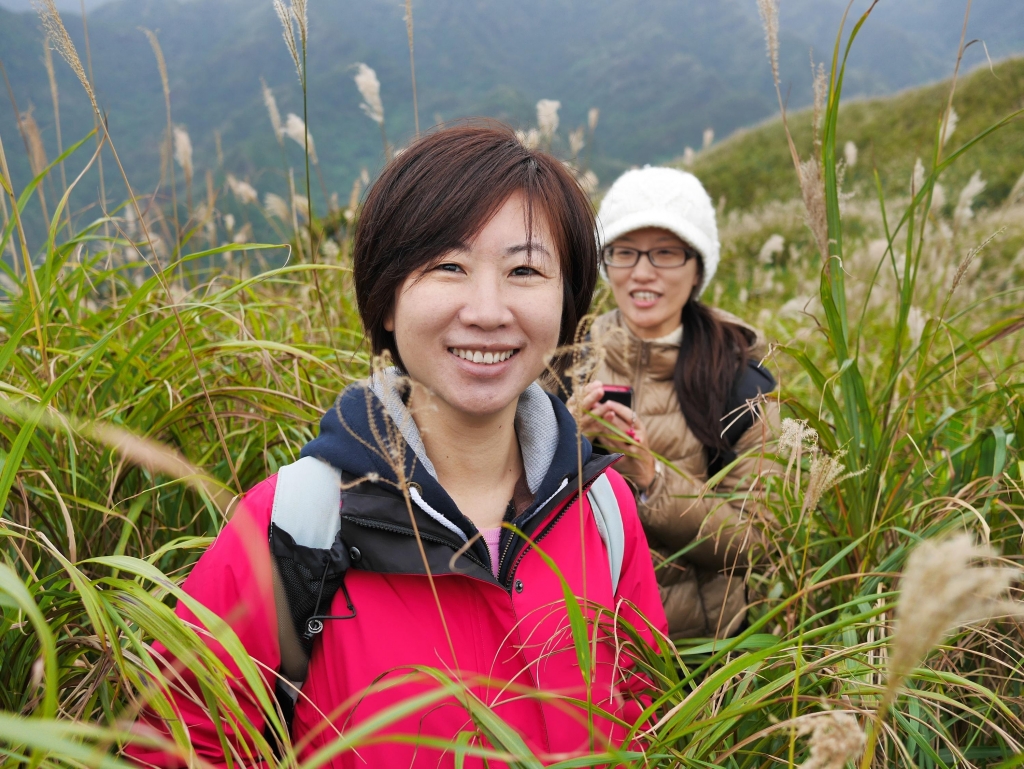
(661, 71)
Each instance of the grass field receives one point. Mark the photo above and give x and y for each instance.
(151, 374)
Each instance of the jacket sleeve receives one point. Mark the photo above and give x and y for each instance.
(679, 509)
(233, 580)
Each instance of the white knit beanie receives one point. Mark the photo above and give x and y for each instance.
(667, 198)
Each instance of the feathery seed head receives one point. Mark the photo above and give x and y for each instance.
(825, 472)
(836, 738)
(850, 154)
(917, 177)
(54, 29)
(576, 141)
(276, 207)
(689, 156)
(796, 435)
(774, 245)
(244, 191)
(964, 207)
(183, 150)
(588, 181)
(547, 117)
(943, 587)
(592, 115)
(36, 151)
(950, 126)
(915, 324)
(709, 138)
(272, 111)
(285, 15)
(229, 222)
(295, 129)
(769, 12)
(529, 139)
(302, 206)
(369, 89)
(812, 188)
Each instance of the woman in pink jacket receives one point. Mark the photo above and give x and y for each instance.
(474, 259)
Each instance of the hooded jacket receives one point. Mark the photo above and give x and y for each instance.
(704, 589)
(506, 638)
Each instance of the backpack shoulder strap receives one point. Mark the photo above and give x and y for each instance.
(309, 557)
(609, 522)
(307, 501)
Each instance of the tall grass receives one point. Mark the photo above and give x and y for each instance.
(147, 382)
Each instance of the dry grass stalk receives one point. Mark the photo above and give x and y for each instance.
(836, 738)
(412, 65)
(273, 112)
(55, 98)
(944, 588)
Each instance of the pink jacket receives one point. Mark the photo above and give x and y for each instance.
(506, 642)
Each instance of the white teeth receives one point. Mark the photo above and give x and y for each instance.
(475, 356)
(645, 296)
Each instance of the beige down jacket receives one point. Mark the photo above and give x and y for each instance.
(704, 591)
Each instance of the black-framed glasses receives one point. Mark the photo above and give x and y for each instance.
(663, 256)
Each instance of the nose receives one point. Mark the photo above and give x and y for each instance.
(485, 305)
(643, 270)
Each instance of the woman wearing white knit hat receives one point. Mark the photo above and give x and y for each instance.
(693, 371)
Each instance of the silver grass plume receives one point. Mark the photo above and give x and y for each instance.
(708, 139)
(547, 117)
(36, 151)
(592, 117)
(850, 154)
(836, 738)
(576, 141)
(689, 156)
(277, 207)
(285, 15)
(369, 88)
(950, 126)
(273, 112)
(295, 129)
(796, 436)
(825, 472)
(769, 12)
(944, 587)
(54, 28)
(964, 207)
(183, 150)
(243, 191)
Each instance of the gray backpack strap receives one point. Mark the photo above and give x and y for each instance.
(306, 502)
(609, 522)
(309, 559)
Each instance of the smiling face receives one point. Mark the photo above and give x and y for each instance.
(476, 327)
(651, 298)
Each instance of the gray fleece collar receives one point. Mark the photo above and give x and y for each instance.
(535, 423)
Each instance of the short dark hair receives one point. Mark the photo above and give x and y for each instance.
(440, 192)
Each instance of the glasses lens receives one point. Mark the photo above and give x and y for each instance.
(670, 257)
(615, 256)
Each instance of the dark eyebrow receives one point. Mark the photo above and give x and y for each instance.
(527, 247)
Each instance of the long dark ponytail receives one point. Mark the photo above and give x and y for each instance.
(712, 353)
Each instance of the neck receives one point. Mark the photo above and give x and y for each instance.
(652, 332)
(477, 458)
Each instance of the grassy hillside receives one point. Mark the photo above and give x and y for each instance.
(753, 166)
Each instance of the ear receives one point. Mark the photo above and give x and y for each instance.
(389, 322)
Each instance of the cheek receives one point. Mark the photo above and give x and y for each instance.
(541, 317)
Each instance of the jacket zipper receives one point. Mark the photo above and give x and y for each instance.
(546, 529)
(374, 524)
